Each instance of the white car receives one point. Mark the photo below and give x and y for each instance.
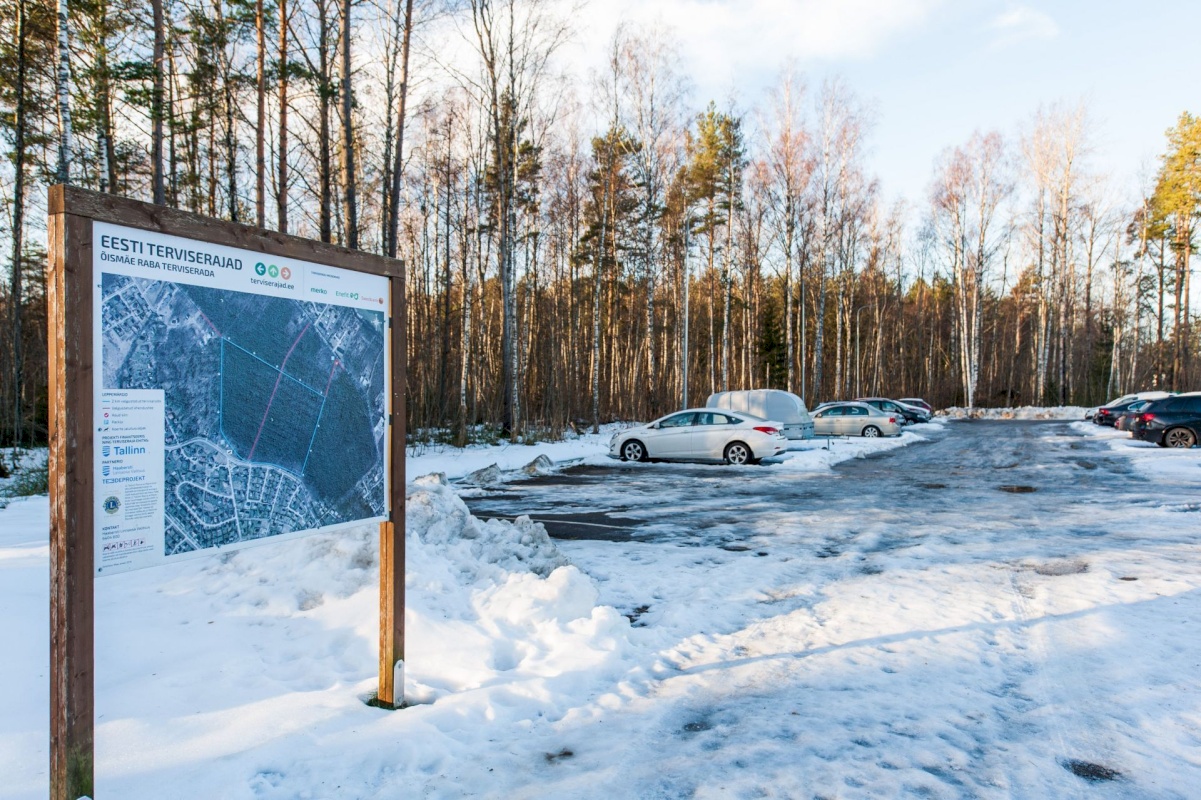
(854, 419)
(701, 434)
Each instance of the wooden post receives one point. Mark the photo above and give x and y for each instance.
(69, 290)
(392, 532)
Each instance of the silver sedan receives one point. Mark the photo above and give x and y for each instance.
(854, 419)
(701, 434)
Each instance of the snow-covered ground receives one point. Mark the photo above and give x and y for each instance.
(995, 611)
(28, 460)
(1149, 459)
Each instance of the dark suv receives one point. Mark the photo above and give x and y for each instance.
(1171, 422)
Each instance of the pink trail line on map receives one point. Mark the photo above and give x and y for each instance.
(271, 400)
(210, 322)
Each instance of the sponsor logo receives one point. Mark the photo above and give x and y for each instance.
(260, 269)
(348, 295)
(285, 273)
(273, 271)
(105, 450)
(315, 290)
(105, 470)
(111, 504)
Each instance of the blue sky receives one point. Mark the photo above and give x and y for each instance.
(935, 70)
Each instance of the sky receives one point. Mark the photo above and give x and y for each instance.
(934, 71)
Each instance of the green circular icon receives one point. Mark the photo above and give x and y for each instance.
(260, 268)
(273, 271)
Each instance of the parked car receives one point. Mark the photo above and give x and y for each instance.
(1171, 422)
(919, 402)
(775, 404)
(910, 414)
(1108, 414)
(1126, 419)
(701, 434)
(1105, 415)
(854, 419)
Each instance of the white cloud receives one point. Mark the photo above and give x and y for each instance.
(723, 40)
(1021, 23)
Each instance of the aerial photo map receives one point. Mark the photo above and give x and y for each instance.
(274, 407)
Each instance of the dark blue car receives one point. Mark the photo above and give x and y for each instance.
(1171, 422)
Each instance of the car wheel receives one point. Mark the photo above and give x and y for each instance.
(738, 454)
(633, 450)
(871, 431)
(1180, 437)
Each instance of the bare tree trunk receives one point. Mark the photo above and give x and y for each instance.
(260, 124)
(398, 165)
(348, 164)
(231, 142)
(282, 189)
(325, 89)
(596, 307)
(156, 106)
(15, 298)
(104, 134)
(64, 95)
(686, 351)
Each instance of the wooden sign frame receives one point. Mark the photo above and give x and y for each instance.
(72, 483)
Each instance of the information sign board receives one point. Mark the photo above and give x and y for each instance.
(211, 385)
(241, 397)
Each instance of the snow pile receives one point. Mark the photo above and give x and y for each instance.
(1023, 412)
(442, 532)
(456, 462)
(492, 597)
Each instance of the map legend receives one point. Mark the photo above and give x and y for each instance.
(130, 488)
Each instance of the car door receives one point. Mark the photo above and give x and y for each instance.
(710, 435)
(825, 421)
(673, 437)
(854, 421)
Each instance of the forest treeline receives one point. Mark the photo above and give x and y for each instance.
(587, 248)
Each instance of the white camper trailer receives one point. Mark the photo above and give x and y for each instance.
(769, 404)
